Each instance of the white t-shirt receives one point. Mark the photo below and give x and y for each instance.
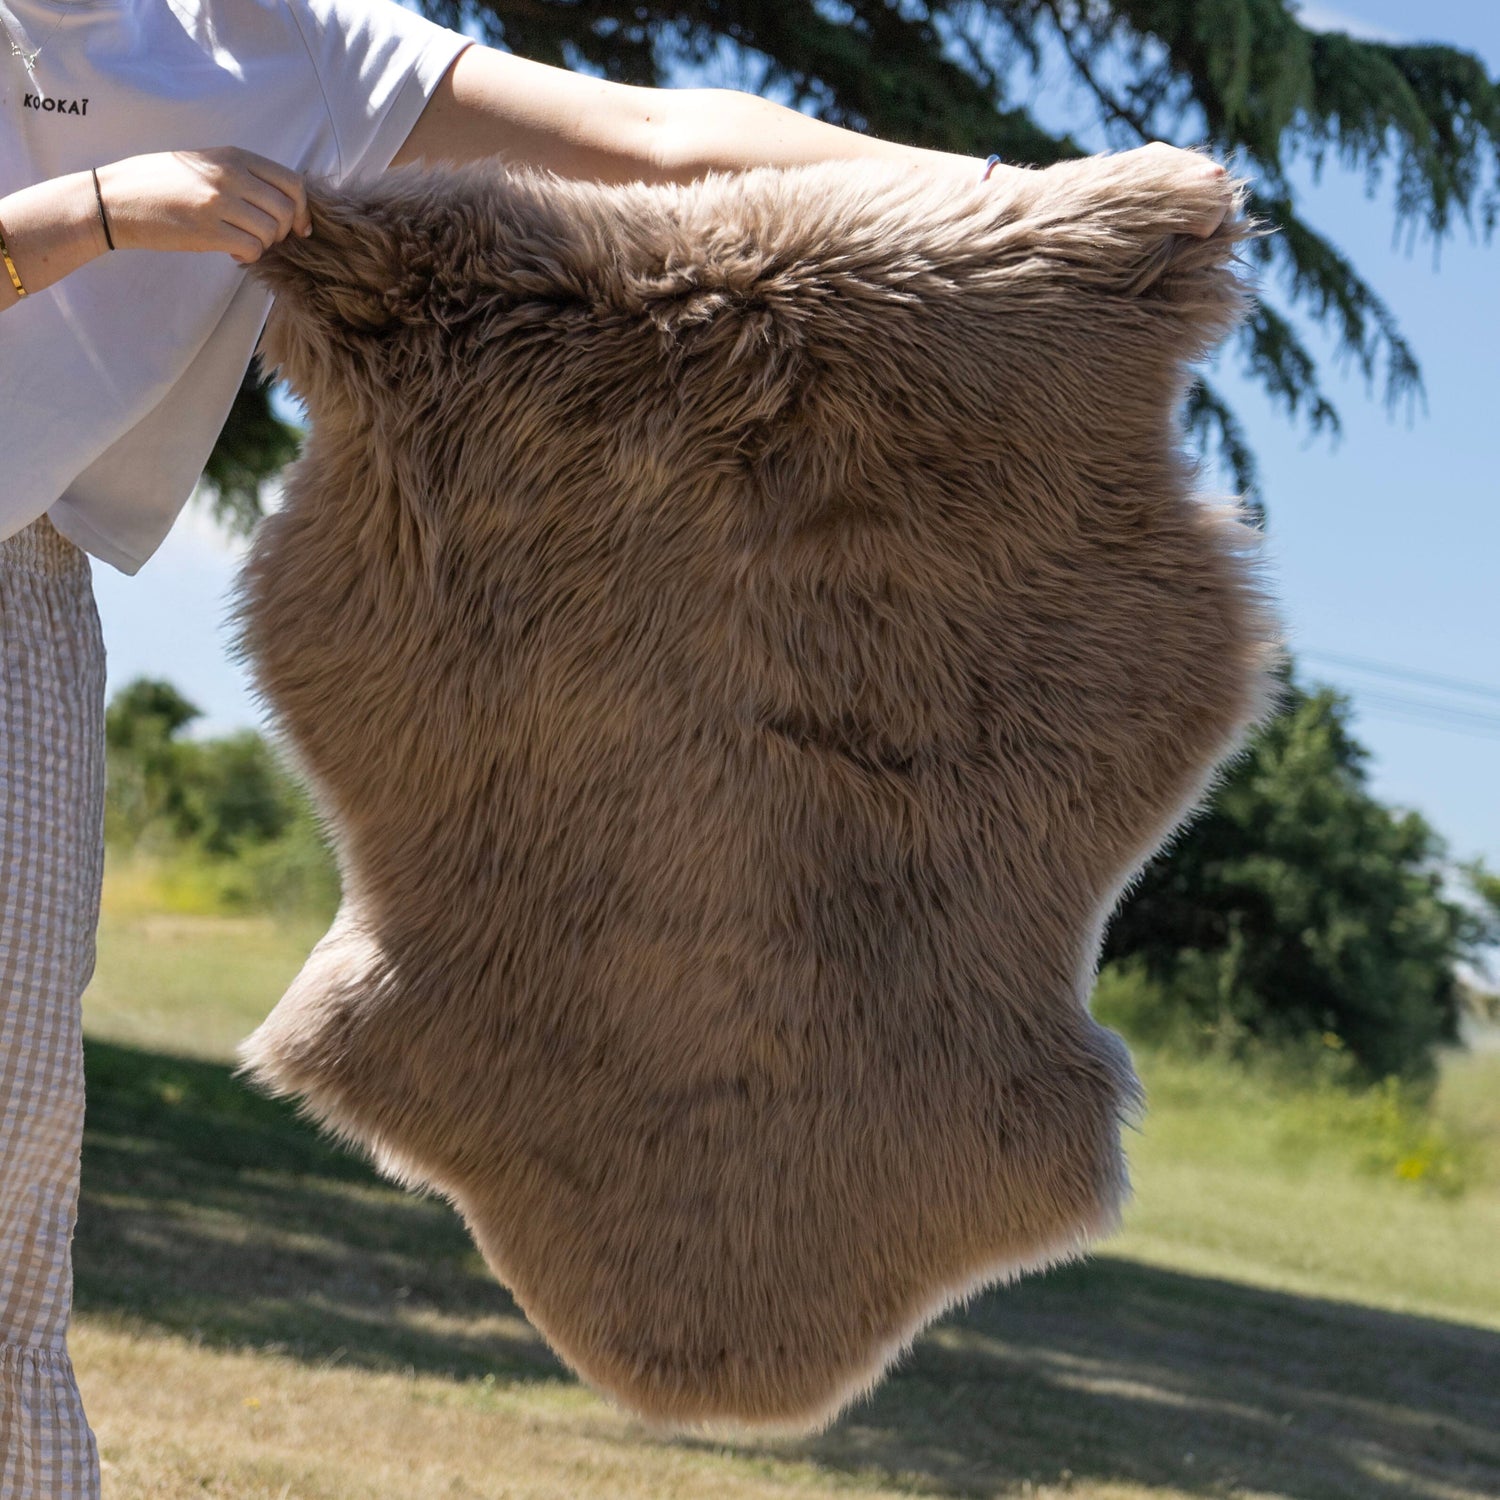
(116, 380)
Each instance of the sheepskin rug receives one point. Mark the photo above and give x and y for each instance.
(743, 637)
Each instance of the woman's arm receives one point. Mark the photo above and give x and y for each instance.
(50, 229)
(494, 103)
(219, 198)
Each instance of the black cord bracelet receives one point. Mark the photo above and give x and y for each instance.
(109, 239)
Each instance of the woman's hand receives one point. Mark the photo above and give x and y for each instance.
(1185, 181)
(223, 198)
(1171, 165)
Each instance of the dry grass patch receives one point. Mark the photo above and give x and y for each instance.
(175, 1420)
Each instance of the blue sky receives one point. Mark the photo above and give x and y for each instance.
(1383, 548)
(1386, 546)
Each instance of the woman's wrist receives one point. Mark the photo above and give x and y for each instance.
(960, 167)
(51, 228)
(89, 209)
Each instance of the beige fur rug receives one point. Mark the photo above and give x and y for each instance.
(743, 638)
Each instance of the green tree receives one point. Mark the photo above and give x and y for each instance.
(145, 788)
(235, 792)
(219, 794)
(254, 445)
(222, 813)
(1243, 77)
(1296, 906)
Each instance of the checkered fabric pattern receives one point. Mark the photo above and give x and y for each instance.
(51, 866)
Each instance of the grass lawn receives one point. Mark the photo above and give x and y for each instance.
(259, 1316)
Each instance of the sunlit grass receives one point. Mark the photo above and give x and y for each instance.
(174, 974)
(1237, 1177)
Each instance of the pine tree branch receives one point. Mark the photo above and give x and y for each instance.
(1077, 56)
(1322, 278)
(1433, 109)
(1209, 419)
(1277, 358)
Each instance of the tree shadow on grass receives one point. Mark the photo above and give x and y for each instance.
(1114, 1371)
(215, 1213)
(211, 1212)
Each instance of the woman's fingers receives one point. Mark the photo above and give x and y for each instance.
(1217, 206)
(241, 245)
(272, 202)
(1202, 182)
(254, 221)
(1205, 182)
(265, 200)
(289, 185)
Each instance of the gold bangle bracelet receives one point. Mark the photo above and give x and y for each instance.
(10, 266)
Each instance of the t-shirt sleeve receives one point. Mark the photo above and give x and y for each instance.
(378, 64)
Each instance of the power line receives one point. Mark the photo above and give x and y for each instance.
(1468, 717)
(1429, 679)
(1478, 726)
(1423, 712)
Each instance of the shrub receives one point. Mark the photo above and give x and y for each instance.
(1296, 906)
(1307, 1097)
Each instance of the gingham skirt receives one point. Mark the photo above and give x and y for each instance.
(51, 866)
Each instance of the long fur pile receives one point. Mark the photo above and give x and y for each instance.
(743, 638)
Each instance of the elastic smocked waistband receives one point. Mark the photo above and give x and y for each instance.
(41, 548)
